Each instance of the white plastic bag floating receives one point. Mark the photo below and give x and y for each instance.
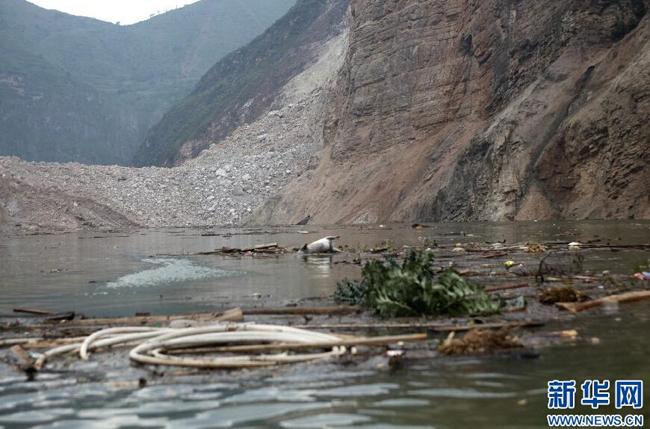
(324, 245)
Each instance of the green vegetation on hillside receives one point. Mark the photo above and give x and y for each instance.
(252, 73)
(79, 89)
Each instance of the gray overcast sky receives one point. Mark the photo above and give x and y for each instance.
(124, 11)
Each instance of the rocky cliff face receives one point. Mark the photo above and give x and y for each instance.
(484, 110)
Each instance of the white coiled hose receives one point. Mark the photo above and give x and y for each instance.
(153, 342)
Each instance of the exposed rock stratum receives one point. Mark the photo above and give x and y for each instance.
(484, 110)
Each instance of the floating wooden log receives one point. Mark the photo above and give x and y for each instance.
(227, 316)
(615, 299)
(300, 311)
(507, 287)
(429, 326)
(365, 342)
(32, 311)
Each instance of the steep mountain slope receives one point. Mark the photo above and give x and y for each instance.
(84, 90)
(219, 187)
(242, 86)
(490, 110)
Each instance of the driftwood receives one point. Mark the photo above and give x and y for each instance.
(44, 343)
(18, 341)
(616, 247)
(260, 247)
(26, 363)
(495, 255)
(507, 287)
(57, 317)
(32, 311)
(47, 315)
(365, 342)
(22, 355)
(227, 316)
(264, 249)
(625, 297)
(233, 315)
(429, 326)
(300, 311)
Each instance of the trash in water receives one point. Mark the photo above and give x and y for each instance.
(642, 276)
(535, 248)
(324, 245)
(574, 245)
(561, 294)
(480, 341)
(413, 288)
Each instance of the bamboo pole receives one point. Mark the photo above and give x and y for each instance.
(18, 341)
(625, 297)
(300, 311)
(32, 311)
(366, 342)
(45, 343)
(225, 316)
(507, 287)
(429, 326)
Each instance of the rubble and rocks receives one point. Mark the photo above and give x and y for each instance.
(222, 186)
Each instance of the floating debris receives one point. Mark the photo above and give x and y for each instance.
(413, 289)
(608, 300)
(561, 294)
(574, 246)
(262, 249)
(480, 341)
(237, 345)
(324, 245)
(535, 248)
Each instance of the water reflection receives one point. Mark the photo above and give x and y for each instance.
(321, 266)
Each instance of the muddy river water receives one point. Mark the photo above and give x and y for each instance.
(116, 274)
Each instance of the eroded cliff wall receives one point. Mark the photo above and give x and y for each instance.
(484, 110)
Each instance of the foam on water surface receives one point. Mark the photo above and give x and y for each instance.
(169, 271)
